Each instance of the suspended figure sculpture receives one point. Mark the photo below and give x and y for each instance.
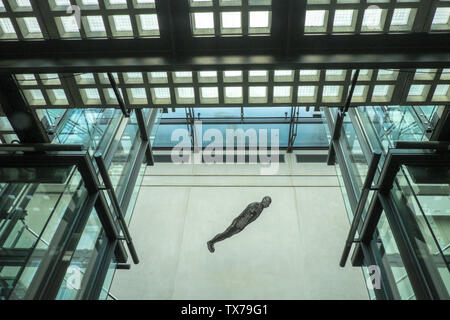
(250, 214)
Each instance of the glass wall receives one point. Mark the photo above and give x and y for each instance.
(34, 216)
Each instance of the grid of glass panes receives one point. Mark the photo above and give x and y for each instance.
(59, 19)
(238, 88)
(230, 17)
(376, 16)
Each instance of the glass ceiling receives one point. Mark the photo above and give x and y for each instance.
(19, 20)
(236, 88)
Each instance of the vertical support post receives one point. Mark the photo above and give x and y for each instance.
(109, 187)
(126, 113)
(340, 120)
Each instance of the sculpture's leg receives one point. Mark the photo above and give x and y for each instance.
(231, 231)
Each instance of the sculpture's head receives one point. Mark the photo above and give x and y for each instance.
(266, 201)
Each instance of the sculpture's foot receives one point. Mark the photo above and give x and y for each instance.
(211, 247)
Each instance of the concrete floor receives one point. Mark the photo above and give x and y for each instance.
(291, 251)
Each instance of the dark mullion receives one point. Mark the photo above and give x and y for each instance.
(133, 18)
(46, 19)
(43, 88)
(196, 86)
(106, 14)
(331, 13)
(360, 16)
(433, 85)
(72, 89)
(429, 9)
(245, 17)
(221, 87)
(321, 84)
(148, 92)
(388, 20)
(217, 18)
(245, 88)
(13, 17)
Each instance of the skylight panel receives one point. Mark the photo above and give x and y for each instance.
(231, 20)
(32, 25)
(186, 93)
(92, 93)
(149, 22)
(441, 16)
(159, 75)
(330, 91)
(258, 92)
(23, 3)
(306, 91)
(6, 26)
(257, 73)
(380, 90)
(259, 19)
(359, 91)
(210, 92)
(89, 2)
(281, 91)
(416, 90)
(37, 95)
(400, 17)
(283, 73)
(162, 93)
(96, 23)
(203, 20)
(441, 90)
(233, 92)
(59, 94)
(343, 18)
(62, 3)
(372, 17)
(122, 23)
(309, 72)
(69, 24)
(183, 74)
(138, 93)
(315, 18)
(208, 74)
(233, 74)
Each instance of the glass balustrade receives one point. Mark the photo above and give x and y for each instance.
(38, 207)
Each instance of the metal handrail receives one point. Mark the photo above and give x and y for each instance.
(360, 207)
(115, 202)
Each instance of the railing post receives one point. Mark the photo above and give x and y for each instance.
(360, 207)
(109, 187)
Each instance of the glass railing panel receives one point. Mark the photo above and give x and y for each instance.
(46, 221)
(104, 294)
(94, 128)
(83, 260)
(426, 194)
(124, 158)
(392, 262)
(390, 124)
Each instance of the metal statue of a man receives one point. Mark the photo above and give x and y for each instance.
(250, 214)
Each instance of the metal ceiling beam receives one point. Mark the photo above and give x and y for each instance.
(23, 119)
(219, 53)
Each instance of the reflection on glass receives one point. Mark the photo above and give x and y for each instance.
(426, 193)
(83, 260)
(392, 262)
(35, 215)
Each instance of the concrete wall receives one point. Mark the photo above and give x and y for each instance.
(291, 251)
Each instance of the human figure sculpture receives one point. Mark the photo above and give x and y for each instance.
(250, 214)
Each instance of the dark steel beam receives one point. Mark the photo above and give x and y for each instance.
(22, 118)
(219, 53)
